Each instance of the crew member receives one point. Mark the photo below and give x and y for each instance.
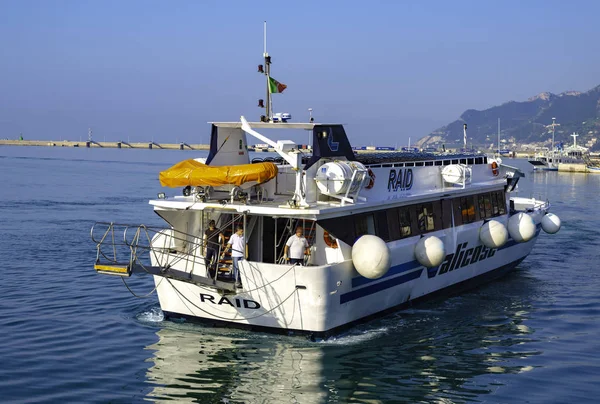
(297, 246)
(239, 251)
(213, 238)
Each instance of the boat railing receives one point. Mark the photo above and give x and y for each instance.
(122, 247)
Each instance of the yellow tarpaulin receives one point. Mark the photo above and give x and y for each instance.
(194, 173)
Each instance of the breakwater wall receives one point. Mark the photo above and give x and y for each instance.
(114, 145)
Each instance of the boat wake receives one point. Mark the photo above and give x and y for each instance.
(153, 315)
(355, 337)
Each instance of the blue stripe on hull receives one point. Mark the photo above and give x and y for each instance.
(395, 270)
(378, 287)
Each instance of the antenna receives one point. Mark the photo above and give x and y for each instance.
(465, 136)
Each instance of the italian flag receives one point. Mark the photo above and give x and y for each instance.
(275, 86)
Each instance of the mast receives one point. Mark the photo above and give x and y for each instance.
(498, 151)
(268, 105)
(465, 137)
(553, 129)
(574, 135)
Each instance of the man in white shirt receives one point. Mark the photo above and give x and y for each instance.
(296, 246)
(237, 243)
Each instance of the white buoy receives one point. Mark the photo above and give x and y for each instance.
(551, 223)
(430, 251)
(521, 227)
(493, 234)
(371, 256)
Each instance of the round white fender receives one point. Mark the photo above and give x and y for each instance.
(521, 227)
(551, 223)
(371, 256)
(430, 251)
(493, 234)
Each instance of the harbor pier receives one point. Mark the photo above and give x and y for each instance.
(116, 145)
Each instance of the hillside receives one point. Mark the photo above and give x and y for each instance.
(527, 122)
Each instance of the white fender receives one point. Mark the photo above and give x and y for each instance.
(521, 227)
(551, 223)
(430, 251)
(371, 256)
(493, 234)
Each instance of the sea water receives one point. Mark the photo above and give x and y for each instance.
(70, 335)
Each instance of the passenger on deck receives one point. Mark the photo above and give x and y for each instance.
(296, 246)
(213, 239)
(239, 251)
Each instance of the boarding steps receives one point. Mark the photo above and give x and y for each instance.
(136, 246)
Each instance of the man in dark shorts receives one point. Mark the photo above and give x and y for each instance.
(212, 240)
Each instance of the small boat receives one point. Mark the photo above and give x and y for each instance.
(384, 230)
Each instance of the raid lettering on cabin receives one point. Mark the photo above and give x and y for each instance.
(400, 180)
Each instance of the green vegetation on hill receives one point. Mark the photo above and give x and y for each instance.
(527, 122)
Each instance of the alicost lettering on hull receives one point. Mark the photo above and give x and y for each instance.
(461, 258)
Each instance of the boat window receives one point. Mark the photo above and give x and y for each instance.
(447, 162)
(438, 162)
(494, 204)
(409, 164)
(425, 217)
(479, 160)
(467, 209)
(429, 163)
(342, 229)
(470, 161)
(481, 204)
(488, 205)
(404, 221)
(393, 224)
(463, 161)
(381, 225)
(364, 224)
(501, 202)
(445, 213)
(485, 160)
(419, 164)
(455, 161)
(386, 165)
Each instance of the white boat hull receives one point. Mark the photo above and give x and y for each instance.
(321, 299)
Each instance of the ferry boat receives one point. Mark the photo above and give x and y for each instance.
(551, 160)
(385, 230)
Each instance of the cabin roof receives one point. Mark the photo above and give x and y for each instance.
(272, 125)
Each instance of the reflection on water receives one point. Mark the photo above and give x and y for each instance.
(454, 350)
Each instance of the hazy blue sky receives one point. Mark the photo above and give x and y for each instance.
(386, 69)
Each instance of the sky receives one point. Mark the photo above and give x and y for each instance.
(388, 70)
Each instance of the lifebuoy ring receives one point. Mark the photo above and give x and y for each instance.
(371, 179)
(495, 168)
(330, 241)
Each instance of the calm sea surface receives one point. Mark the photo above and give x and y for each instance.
(70, 335)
